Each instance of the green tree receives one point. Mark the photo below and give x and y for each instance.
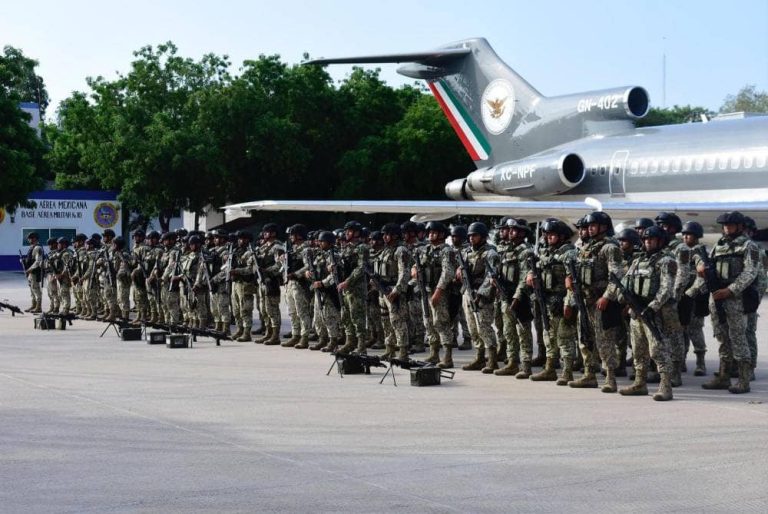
(673, 115)
(748, 99)
(25, 82)
(21, 151)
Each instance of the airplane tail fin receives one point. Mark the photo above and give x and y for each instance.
(484, 99)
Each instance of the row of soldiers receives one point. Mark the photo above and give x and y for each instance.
(407, 285)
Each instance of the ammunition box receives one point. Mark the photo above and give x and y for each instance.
(130, 334)
(177, 341)
(425, 376)
(156, 337)
(42, 323)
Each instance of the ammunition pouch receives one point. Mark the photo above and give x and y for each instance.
(611, 316)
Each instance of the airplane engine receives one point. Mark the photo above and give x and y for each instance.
(545, 175)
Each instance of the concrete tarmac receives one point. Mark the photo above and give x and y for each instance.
(90, 424)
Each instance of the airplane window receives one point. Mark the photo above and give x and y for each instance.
(633, 170)
(654, 166)
(687, 164)
(711, 161)
(593, 171)
(602, 170)
(665, 166)
(760, 161)
(735, 161)
(722, 162)
(748, 158)
(699, 163)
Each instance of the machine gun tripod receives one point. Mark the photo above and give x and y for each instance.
(354, 363)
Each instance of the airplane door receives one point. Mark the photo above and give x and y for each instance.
(616, 175)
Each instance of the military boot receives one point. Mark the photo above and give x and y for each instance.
(525, 371)
(288, 335)
(391, 351)
(638, 387)
(721, 380)
(466, 344)
(237, 334)
(493, 361)
(225, 329)
(303, 343)
(378, 344)
(676, 377)
(664, 393)
(478, 363)
(510, 369)
(434, 354)
(502, 351)
(609, 386)
(701, 365)
(541, 353)
(267, 335)
(245, 335)
(37, 307)
(567, 375)
(275, 339)
(402, 353)
(349, 345)
(621, 368)
(218, 327)
(290, 343)
(321, 343)
(31, 307)
(548, 374)
(588, 380)
(742, 386)
(362, 347)
(447, 362)
(332, 345)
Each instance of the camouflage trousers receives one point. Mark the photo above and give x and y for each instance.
(480, 324)
(271, 304)
(416, 329)
(220, 305)
(440, 330)
(561, 338)
(694, 335)
(52, 288)
(353, 316)
(373, 313)
(153, 302)
(77, 292)
(109, 295)
(644, 345)
(91, 296)
(605, 341)
(676, 333)
(394, 320)
(172, 306)
(242, 304)
(299, 310)
(199, 311)
(329, 318)
(317, 316)
(517, 334)
(65, 298)
(498, 320)
(34, 289)
(732, 335)
(752, 337)
(124, 297)
(141, 299)
(461, 322)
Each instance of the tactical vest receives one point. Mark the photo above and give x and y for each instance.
(385, 265)
(553, 270)
(728, 259)
(431, 261)
(592, 273)
(511, 264)
(643, 278)
(477, 263)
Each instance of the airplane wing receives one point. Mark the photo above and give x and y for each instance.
(704, 213)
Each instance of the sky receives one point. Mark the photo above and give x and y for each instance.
(712, 48)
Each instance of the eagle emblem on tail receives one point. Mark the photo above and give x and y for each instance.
(497, 107)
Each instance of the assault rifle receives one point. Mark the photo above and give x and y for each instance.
(421, 282)
(413, 364)
(110, 275)
(355, 361)
(14, 310)
(176, 328)
(336, 271)
(473, 298)
(378, 283)
(64, 317)
(498, 282)
(287, 261)
(228, 275)
(585, 326)
(538, 293)
(645, 315)
(713, 284)
(310, 259)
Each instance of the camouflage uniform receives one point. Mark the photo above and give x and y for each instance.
(152, 262)
(392, 265)
(761, 284)
(737, 263)
(221, 294)
(91, 283)
(481, 321)
(416, 329)
(122, 265)
(196, 267)
(596, 260)
(682, 255)
(298, 294)
(141, 261)
(268, 260)
(52, 285)
(64, 269)
(562, 331)
(329, 297)
(353, 258)
(243, 288)
(105, 265)
(439, 264)
(80, 260)
(172, 260)
(694, 333)
(33, 264)
(513, 270)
